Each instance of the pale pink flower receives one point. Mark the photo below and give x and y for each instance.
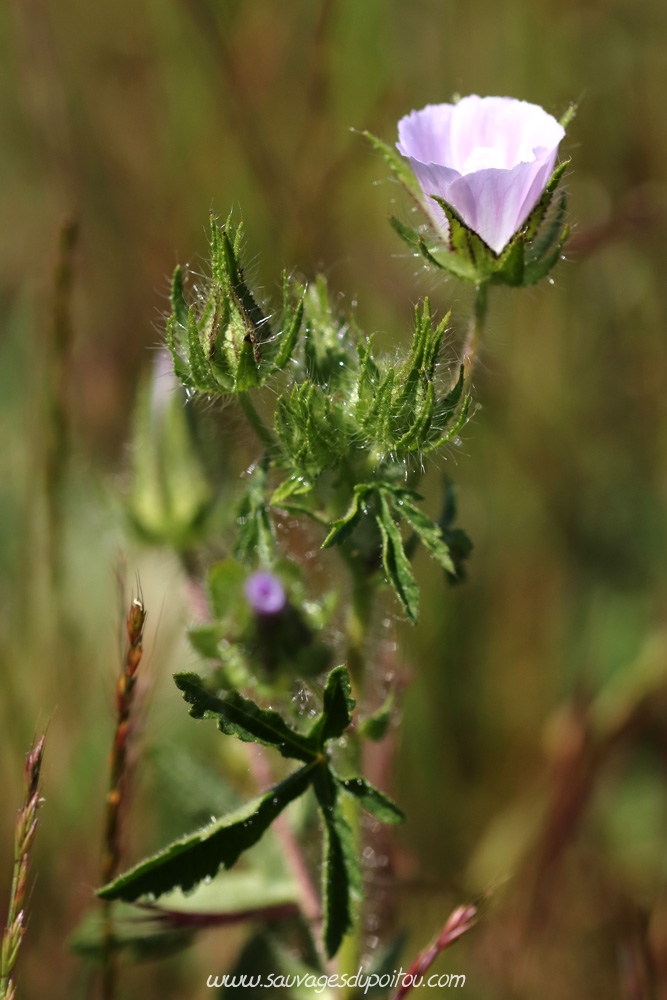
(489, 157)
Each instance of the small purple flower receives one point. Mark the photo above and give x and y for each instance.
(265, 593)
(488, 157)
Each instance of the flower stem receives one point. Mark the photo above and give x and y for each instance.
(475, 330)
(26, 826)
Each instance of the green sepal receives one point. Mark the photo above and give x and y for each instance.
(444, 261)
(399, 167)
(179, 306)
(257, 325)
(453, 431)
(188, 861)
(289, 336)
(534, 220)
(372, 799)
(536, 270)
(465, 243)
(510, 268)
(550, 231)
(241, 717)
(569, 116)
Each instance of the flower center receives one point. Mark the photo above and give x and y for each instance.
(483, 157)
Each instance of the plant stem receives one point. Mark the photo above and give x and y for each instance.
(358, 623)
(475, 330)
(26, 826)
(255, 421)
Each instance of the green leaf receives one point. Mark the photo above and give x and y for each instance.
(291, 487)
(396, 563)
(337, 708)
(139, 934)
(399, 167)
(341, 872)
(241, 717)
(375, 726)
(255, 540)
(225, 586)
(341, 528)
(372, 799)
(205, 639)
(457, 541)
(429, 534)
(188, 861)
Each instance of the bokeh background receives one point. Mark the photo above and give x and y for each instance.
(532, 754)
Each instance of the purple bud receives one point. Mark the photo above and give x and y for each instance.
(265, 593)
(489, 157)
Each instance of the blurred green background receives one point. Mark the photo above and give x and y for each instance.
(137, 118)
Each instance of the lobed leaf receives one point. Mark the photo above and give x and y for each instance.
(341, 871)
(188, 861)
(428, 533)
(372, 799)
(241, 717)
(337, 708)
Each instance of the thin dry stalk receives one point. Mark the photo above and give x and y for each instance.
(136, 620)
(26, 826)
(461, 920)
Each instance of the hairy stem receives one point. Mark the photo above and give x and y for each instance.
(255, 421)
(358, 624)
(475, 330)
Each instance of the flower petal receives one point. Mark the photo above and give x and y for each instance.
(495, 203)
(513, 129)
(424, 135)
